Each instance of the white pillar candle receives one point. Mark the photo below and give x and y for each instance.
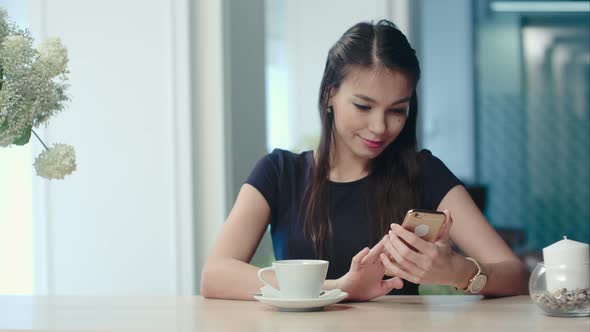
(567, 265)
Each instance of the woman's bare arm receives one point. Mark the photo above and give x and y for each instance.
(227, 273)
(472, 233)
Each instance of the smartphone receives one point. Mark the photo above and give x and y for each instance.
(424, 223)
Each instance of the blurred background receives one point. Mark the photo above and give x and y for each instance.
(173, 101)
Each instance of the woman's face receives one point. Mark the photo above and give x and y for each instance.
(370, 110)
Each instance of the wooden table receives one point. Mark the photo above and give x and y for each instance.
(389, 313)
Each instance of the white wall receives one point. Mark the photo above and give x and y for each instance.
(121, 224)
(158, 109)
(209, 125)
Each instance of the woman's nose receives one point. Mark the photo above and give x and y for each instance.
(377, 124)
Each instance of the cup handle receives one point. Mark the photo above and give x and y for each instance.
(270, 268)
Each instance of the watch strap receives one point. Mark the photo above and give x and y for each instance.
(480, 271)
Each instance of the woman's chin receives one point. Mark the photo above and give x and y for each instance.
(369, 153)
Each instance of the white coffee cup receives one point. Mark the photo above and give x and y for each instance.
(298, 278)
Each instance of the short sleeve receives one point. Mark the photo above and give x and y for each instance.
(437, 180)
(265, 178)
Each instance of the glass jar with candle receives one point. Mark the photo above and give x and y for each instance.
(559, 285)
(561, 290)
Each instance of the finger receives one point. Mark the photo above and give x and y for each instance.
(373, 254)
(386, 251)
(393, 283)
(356, 260)
(398, 271)
(419, 260)
(390, 284)
(391, 260)
(395, 248)
(389, 273)
(446, 229)
(411, 238)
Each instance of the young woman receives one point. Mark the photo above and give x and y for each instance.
(353, 192)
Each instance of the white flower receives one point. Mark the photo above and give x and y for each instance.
(57, 162)
(33, 86)
(54, 56)
(17, 55)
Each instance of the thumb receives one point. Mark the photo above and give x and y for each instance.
(446, 229)
(389, 284)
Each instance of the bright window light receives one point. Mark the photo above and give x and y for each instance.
(540, 6)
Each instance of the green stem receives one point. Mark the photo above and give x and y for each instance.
(40, 140)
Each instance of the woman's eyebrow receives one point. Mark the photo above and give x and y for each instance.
(371, 100)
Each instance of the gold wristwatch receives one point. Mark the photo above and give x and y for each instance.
(479, 280)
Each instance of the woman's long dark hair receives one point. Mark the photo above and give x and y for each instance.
(394, 173)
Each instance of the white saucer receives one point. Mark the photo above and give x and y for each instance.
(330, 297)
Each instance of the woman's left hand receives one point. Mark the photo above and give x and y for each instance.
(433, 263)
(364, 282)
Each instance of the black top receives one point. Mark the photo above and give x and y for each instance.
(282, 176)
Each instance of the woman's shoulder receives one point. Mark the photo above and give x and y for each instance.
(286, 159)
(425, 154)
(437, 179)
(427, 159)
(287, 154)
(433, 169)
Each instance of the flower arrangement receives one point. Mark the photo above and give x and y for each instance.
(33, 84)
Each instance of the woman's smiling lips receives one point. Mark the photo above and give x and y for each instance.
(372, 144)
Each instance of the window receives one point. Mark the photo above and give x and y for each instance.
(16, 228)
(533, 124)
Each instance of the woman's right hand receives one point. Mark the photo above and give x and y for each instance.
(364, 282)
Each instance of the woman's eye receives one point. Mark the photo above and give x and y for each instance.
(362, 107)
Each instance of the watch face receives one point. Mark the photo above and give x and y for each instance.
(478, 283)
